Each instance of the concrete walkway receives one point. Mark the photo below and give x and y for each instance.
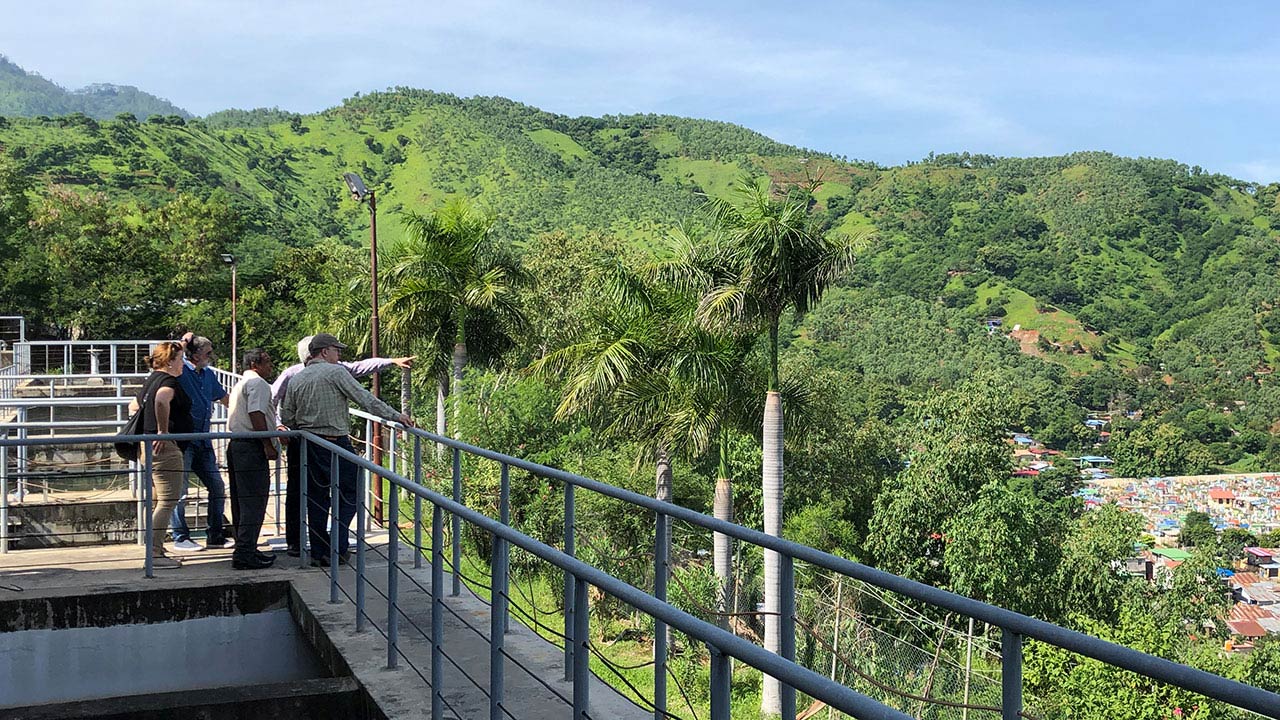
(400, 693)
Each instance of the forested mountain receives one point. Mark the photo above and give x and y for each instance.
(994, 295)
(1147, 284)
(24, 94)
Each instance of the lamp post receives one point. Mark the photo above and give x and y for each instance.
(230, 259)
(361, 193)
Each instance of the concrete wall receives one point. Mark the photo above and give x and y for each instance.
(42, 666)
(62, 524)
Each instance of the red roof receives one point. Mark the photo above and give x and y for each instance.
(1258, 552)
(1245, 611)
(1243, 579)
(1220, 494)
(1246, 628)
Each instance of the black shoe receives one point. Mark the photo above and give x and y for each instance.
(293, 552)
(253, 562)
(344, 558)
(265, 556)
(320, 562)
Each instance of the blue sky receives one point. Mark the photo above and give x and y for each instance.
(884, 81)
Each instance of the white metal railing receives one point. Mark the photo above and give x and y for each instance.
(88, 356)
(14, 477)
(9, 379)
(13, 329)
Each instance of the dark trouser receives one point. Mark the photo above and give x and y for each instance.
(319, 463)
(250, 473)
(292, 493)
(201, 461)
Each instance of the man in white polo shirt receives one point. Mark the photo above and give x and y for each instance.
(249, 460)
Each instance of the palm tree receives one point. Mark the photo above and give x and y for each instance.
(764, 258)
(449, 276)
(407, 328)
(660, 378)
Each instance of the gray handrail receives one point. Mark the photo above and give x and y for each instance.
(1205, 683)
(815, 685)
(1200, 681)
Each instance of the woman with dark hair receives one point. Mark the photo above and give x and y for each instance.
(166, 409)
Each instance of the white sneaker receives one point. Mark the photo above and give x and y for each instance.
(164, 562)
(188, 545)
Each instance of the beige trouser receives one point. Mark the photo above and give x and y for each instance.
(166, 483)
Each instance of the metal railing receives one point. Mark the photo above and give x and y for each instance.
(1015, 628)
(721, 645)
(13, 329)
(83, 356)
(16, 477)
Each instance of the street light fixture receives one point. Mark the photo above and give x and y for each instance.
(361, 193)
(230, 259)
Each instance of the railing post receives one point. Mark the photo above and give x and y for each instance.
(1010, 675)
(360, 513)
(303, 479)
(334, 499)
(393, 574)
(4, 495)
(135, 487)
(582, 650)
(504, 513)
(569, 607)
(437, 612)
(364, 492)
(456, 540)
(661, 562)
(787, 626)
(146, 502)
(21, 484)
(497, 618)
(279, 491)
(721, 675)
(417, 504)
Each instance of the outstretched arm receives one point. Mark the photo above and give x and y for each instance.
(361, 368)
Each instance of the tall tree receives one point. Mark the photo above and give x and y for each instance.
(764, 258)
(448, 273)
(649, 372)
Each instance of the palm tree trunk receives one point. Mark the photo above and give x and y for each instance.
(662, 491)
(442, 390)
(771, 697)
(723, 552)
(722, 555)
(459, 364)
(406, 401)
(406, 391)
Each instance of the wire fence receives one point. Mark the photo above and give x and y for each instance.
(927, 662)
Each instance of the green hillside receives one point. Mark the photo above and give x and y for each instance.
(1118, 265)
(24, 94)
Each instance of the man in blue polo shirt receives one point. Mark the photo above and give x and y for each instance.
(204, 389)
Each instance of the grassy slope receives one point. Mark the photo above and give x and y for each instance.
(537, 172)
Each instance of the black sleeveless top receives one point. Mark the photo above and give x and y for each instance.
(179, 407)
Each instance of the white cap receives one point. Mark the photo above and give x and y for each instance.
(304, 348)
